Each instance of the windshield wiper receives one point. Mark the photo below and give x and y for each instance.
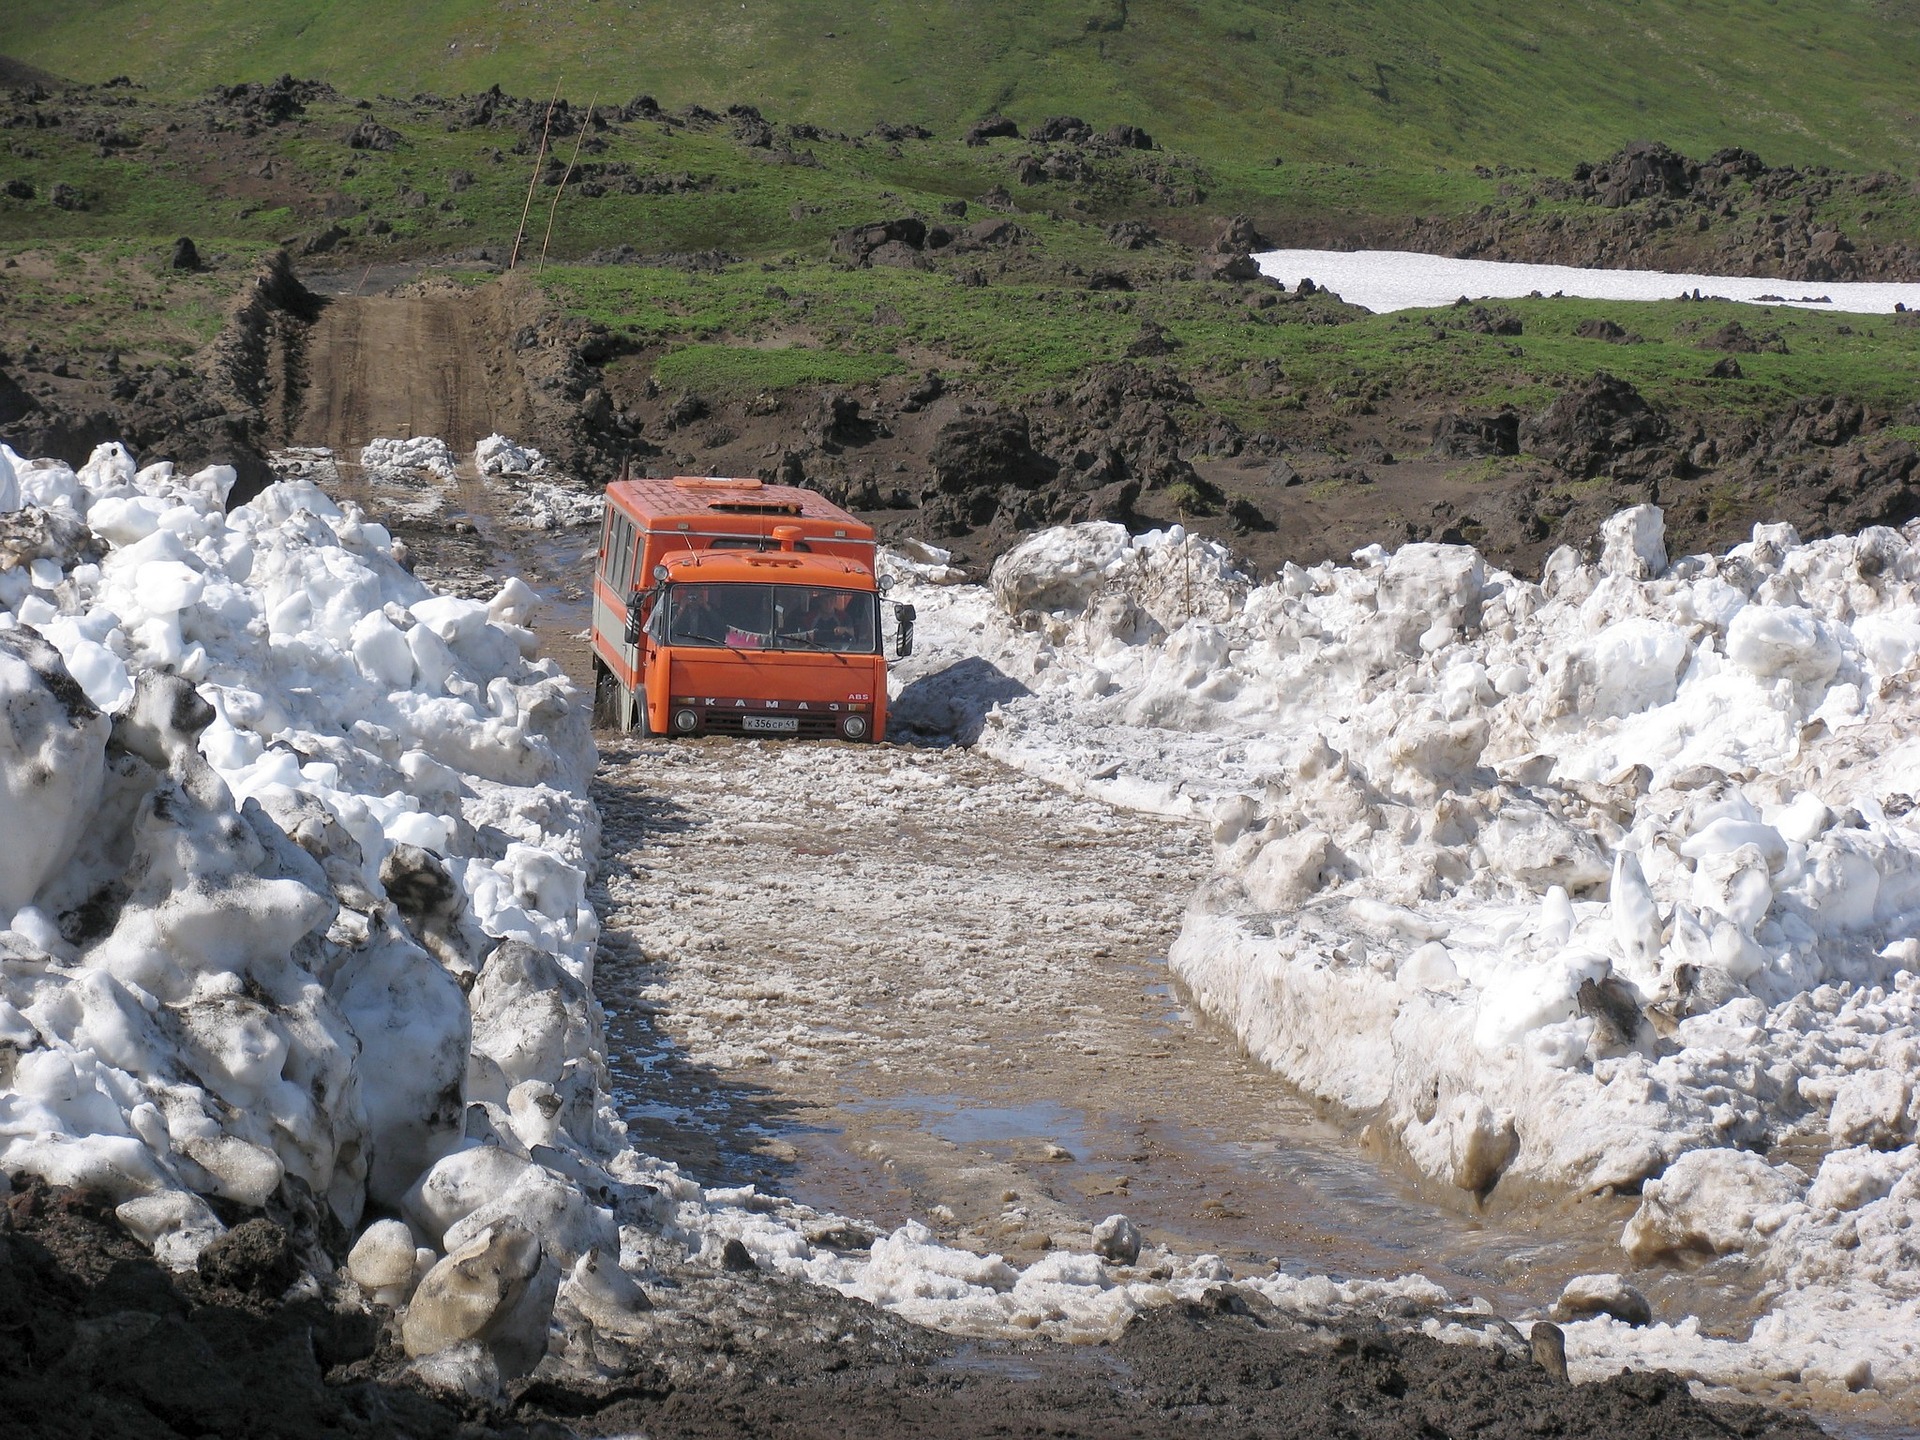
(802, 641)
(682, 636)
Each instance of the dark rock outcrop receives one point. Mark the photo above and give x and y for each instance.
(1733, 338)
(1239, 236)
(370, 134)
(994, 127)
(1645, 169)
(1131, 235)
(1595, 428)
(1069, 128)
(1598, 328)
(859, 245)
(1473, 437)
(274, 102)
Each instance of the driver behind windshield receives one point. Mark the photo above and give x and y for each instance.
(731, 615)
(758, 617)
(822, 619)
(696, 617)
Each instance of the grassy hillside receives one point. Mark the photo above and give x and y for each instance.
(745, 331)
(1416, 82)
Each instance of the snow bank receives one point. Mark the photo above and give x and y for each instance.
(1568, 884)
(285, 800)
(386, 459)
(538, 502)
(1383, 280)
(497, 455)
(541, 505)
(1593, 881)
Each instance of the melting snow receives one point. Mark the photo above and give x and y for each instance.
(1609, 879)
(1383, 280)
(304, 923)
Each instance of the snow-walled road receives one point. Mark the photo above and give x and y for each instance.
(888, 980)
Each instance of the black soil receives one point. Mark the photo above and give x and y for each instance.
(98, 1340)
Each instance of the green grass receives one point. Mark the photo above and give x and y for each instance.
(741, 203)
(754, 327)
(86, 298)
(727, 370)
(1409, 84)
(788, 316)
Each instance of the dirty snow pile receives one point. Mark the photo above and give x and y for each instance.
(303, 928)
(916, 560)
(497, 455)
(1065, 1295)
(305, 462)
(542, 505)
(305, 905)
(539, 503)
(1609, 880)
(394, 459)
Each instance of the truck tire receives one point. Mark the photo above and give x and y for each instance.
(606, 696)
(614, 706)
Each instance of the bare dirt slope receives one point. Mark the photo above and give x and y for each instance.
(405, 365)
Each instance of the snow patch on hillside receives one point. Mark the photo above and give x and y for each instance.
(1386, 280)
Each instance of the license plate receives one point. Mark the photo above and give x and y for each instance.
(774, 724)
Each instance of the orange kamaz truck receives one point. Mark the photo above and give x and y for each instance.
(735, 607)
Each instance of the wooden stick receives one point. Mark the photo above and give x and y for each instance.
(554, 209)
(527, 209)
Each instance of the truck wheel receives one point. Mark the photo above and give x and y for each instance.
(614, 706)
(606, 698)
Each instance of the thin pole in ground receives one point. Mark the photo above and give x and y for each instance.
(554, 209)
(533, 180)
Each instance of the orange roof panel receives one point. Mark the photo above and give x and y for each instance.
(688, 497)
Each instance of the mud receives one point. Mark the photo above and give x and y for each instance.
(905, 983)
(404, 365)
(98, 1341)
(1200, 1370)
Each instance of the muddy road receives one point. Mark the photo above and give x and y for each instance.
(405, 365)
(903, 982)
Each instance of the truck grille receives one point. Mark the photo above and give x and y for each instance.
(812, 727)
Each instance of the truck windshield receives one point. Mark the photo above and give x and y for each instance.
(774, 617)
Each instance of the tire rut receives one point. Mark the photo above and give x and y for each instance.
(400, 366)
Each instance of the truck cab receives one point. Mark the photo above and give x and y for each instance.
(736, 607)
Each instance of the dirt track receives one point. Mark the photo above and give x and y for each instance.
(402, 366)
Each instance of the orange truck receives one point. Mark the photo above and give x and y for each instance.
(735, 607)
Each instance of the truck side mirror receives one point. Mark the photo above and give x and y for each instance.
(635, 621)
(904, 616)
